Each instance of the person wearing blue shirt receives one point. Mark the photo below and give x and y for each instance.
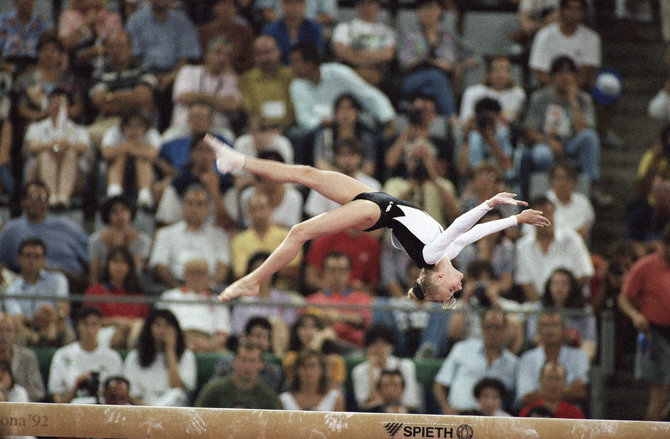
(293, 27)
(19, 31)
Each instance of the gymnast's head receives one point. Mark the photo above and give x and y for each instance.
(437, 284)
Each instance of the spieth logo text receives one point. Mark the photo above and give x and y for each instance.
(402, 430)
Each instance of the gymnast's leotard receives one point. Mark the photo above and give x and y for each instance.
(423, 238)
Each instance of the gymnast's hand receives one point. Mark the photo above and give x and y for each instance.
(504, 198)
(241, 287)
(532, 217)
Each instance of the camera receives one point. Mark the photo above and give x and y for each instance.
(415, 116)
(484, 121)
(420, 172)
(480, 294)
(92, 385)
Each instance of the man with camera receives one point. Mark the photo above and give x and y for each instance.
(78, 369)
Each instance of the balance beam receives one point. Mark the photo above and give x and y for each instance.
(141, 422)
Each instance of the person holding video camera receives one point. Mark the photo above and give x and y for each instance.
(78, 369)
(486, 138)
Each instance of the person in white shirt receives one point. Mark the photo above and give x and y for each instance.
(206, 325)
(77, 369)
(214, 82)
(161, 370)
(568, 37)
(571, 209)
(58, 150)
(192, 237)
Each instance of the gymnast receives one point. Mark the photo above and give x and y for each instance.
(413, 230)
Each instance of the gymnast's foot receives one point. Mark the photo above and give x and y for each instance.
(241, 287)
(227, 159)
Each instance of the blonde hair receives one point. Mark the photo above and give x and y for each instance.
(428, 289)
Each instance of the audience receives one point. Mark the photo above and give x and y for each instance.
(571, 208)
(293, 27)
(308, 389)
(20, 30)
(161, 369)
(116, 391)
(23, 361)
(16, 392)
(77, 369)
(551, 395)
(206, 326)
(390, 388)
(121, 321)
(243, 387)
(491, 395)
(473, 359)
(379, 343)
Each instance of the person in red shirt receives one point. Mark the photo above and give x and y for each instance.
(552, 385)
(645, 299)
(361, 249)
(349, 324)
(119, 278)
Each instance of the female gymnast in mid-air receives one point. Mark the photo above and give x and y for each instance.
(413, 230)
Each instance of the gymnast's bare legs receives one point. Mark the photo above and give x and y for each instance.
(353, 214)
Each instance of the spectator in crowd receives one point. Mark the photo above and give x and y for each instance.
(571, 209)
(532, 16)
(257, 331)
(117, 214)
(538, 254)
(359, 248)
(281, 318)
(420, 330)
(562, 292)
(161, 369)
(34, 280)
(122, 83)
(481, 288)
(644, 300)
(262, 235)
(16, 392)
(116, 391)
(118, 277)
(225, 22)
(7, 183)
(243, 387)
(82, 28)
(653, 163)
(422, 127)
(58, 151)
(379, 343)
(560, 123)
(347, 156)
(262, 135)
(365, 43)
(433, 59)
(20, 30)
(285, 199)
(192, 237)
(318, 85)
(198, 170)
(567, 37)
(164, 56)
(647, 218)
(34, 85)
(346, 125)
(486, 181)
(77, 369)
(390, 388)
(67, 240)
(487, 138)
(498, 84)
(473, 359)
(206, 326)
(293, 27)
(133, 144)
(552, 348)
(422, 184)
(213, 82)
(659, 106)
(349, 324)
(23, 362)
(491, 395)
(551, 394)
(265, 87)
(308, 390)
(310, 333)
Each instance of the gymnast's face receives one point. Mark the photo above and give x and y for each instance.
(448, 280)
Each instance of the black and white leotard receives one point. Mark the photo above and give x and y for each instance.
(423, 238)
